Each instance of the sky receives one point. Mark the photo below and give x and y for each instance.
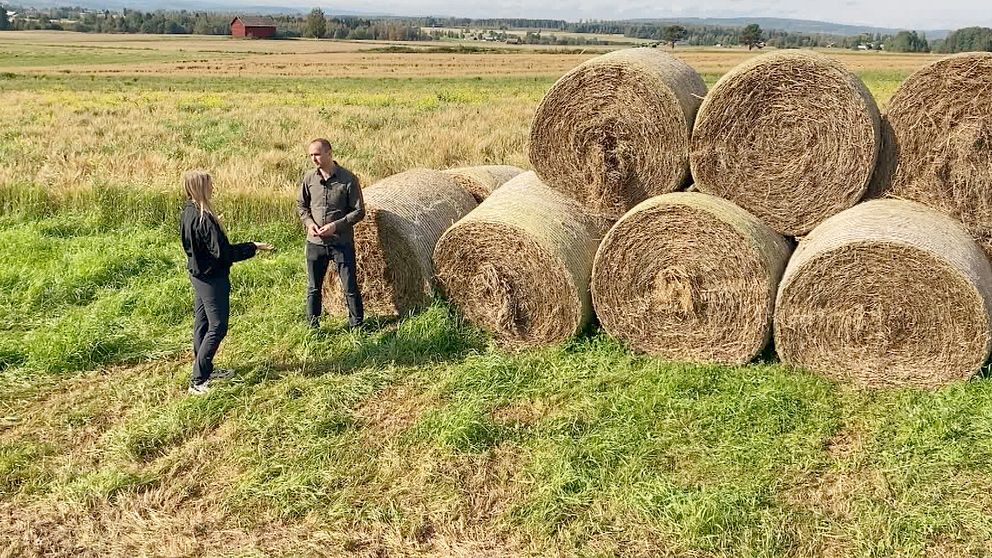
(909, 14)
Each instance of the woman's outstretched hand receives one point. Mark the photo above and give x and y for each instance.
(264, 246)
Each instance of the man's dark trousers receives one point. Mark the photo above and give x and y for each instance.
(319, 257)
(211, 311)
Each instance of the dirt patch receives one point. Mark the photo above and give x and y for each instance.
(833, 499)
(526, 413)
(847, 442)
(71, 417)
(88, 402)
(837, 494)
(391, 412)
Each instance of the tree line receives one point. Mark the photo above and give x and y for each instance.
(200, 23)
(534, 31)
(968, 39)
(317, 25)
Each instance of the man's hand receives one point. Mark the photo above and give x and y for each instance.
(313, 229)
(326, 230)
(265, 246)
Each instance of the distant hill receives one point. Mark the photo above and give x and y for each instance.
(767, 23)
(794, 25)
(189, 5)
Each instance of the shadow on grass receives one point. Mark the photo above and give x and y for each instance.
(434, 335)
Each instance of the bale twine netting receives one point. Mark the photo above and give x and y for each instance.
(405, 216)
(689, 276)
(480, 181)
(615, 130)
(938, 142)
(792, 137)
(888, 293)
(519, 264)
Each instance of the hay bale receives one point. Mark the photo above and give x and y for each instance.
(792, 137)
(689, 277)
(615, 130)
(938, 142)
(405, 216)
(482, 180)
(519, 264)
(889, 293)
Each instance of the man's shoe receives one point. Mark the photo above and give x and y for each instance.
(199, 389)
(356, 327)
(314, 323)
(222, 374)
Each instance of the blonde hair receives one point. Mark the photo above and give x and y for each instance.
(197, 185)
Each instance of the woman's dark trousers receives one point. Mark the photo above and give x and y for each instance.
(211, 311)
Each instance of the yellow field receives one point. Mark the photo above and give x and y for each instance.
(138, 110)
(222, 56)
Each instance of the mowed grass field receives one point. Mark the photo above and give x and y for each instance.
(417, 437)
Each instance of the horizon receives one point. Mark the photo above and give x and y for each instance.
(912, 14)
(909, 14)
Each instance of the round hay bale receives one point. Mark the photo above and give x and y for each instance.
(792, 137)
(482, 180)
(888, 293)
(938, 142)
(615, 130)
(689, 277)
(519, 264)
(405, 215)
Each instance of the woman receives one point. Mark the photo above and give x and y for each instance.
(209, 258)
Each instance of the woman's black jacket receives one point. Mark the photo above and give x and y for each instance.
(208, 252)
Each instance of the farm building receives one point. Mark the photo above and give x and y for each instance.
(253, 27)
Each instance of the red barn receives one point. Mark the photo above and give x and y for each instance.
(253, 27)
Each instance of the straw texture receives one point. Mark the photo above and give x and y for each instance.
(615, 130)
(888, 293)
(480, 181)
(405, 216)
(689, 276)
(792, 137)
(938, 142)
(519, 264)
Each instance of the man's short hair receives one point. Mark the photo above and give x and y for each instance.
(323, 142)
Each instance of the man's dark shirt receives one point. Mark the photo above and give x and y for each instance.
(208, 252)
(337, 199)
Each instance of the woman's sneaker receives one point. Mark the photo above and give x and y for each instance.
(199, 389)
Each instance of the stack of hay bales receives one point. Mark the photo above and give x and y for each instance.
(791, 137)
(480, 181)
(891, 293)
(405, 216)
(608, 135)
(615, 130)
(938, 142)
(689, 276)
(519, 264)
(879, 293)
(887, 293)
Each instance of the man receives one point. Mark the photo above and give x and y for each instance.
(330, 203)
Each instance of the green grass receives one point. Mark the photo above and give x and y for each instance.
(412, 433)
(414, 427)
(19, 467)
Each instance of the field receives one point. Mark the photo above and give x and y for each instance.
(418, 437)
